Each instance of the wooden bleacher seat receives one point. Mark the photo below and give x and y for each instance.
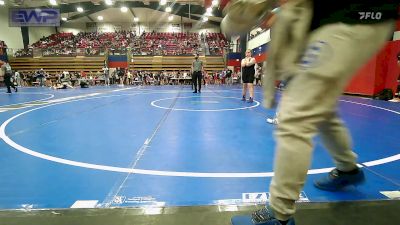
(95, 64)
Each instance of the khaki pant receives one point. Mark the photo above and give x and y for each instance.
(309, 106)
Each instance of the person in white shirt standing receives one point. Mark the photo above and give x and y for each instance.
(18, 79)
(106, 73)
(248, 71)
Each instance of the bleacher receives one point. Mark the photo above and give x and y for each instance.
(172, 63)
(95, 64)
(87, 52)
(56, 64)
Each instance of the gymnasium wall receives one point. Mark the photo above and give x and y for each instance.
(71, 27)
(139, 28)
(396, 35)
(11, 35)
(259, 40)
(380, 72)
(35, 33)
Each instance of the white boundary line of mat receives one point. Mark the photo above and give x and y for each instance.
(159, 172)
(39, 100)
(153, 103)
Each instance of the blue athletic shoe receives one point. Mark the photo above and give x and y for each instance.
(265, 216)
(250, 100)
(337, 180)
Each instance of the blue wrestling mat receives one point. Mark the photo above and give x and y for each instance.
(165, 146)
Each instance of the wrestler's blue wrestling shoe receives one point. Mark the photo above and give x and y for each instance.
(337, 180)
(262, 216)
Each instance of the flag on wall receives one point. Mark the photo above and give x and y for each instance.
(233, 59)
(115, 61)
(260, 53)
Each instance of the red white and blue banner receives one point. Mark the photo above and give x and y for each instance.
(234, 59)
(260, 53)
(115, 61)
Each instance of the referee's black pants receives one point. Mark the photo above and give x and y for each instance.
(7, 81)
(196, 78)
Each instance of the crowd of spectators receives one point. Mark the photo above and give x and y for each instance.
(147, 43)
(119, 76)
(216, 43)
(155, 43)
(24, 53)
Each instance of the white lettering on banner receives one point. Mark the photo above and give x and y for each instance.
(255, 197)
(34, 17)
(391, 194)
(119, 199)
(370, 15)
(263, 197)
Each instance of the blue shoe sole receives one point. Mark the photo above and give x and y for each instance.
(241, 220)
(246, 220)
(340, 187)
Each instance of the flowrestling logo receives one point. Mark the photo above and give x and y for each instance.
(370, 15)
(24, 17)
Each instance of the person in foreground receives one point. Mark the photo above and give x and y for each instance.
(320, 45)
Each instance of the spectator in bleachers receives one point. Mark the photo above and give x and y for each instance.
(64, 44)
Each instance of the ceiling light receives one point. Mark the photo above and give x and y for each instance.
(136, 19)
(214, 2)
(124, 9)
(80, 9)
(205, 19)
(163, 2)
(108, 2)
(53, 2)
(168, 9)
(64, 19)
(100, 18)
(2, 2)
(170, 18)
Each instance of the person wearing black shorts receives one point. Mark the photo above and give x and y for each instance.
(248, 71)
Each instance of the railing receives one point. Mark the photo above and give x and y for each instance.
(73, 52)
(258, 32)
(55, 52)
